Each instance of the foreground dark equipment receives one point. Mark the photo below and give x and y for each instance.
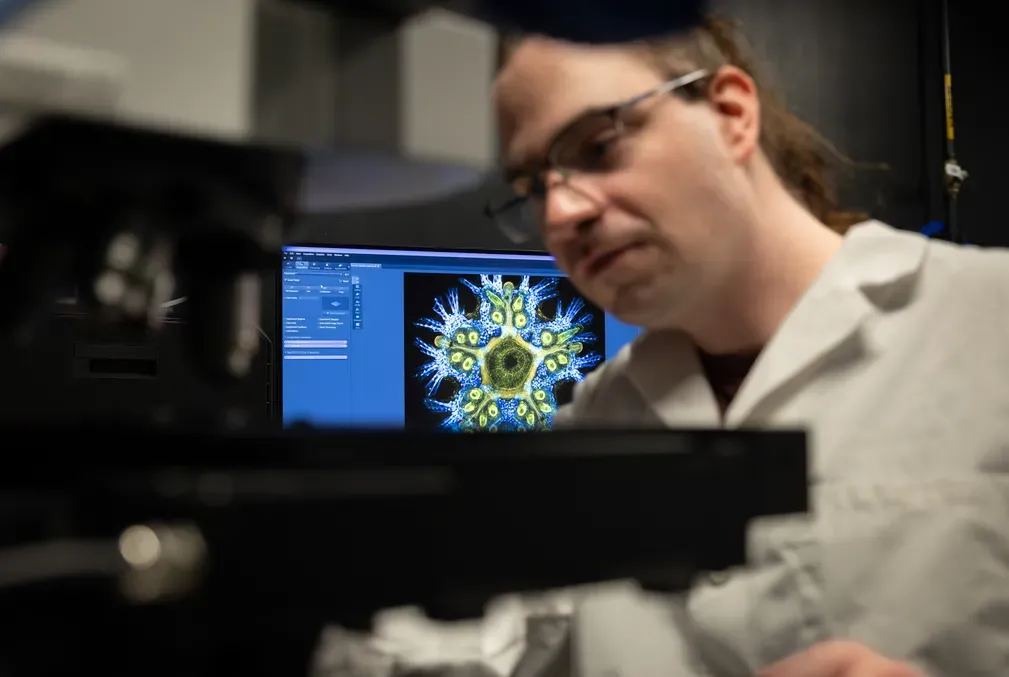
(595, 21)
(132, 219)
(226, 556)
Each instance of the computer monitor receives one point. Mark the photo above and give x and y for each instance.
(425, 340)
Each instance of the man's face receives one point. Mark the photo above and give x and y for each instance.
(652, 230)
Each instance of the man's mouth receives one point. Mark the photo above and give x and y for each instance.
(599, 263)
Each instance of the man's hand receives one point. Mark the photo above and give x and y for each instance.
(839, 659)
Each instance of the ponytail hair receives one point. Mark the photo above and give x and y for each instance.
(802, 157)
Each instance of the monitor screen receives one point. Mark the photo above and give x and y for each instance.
(447, 340)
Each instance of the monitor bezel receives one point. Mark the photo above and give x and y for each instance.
(278, 352)
(426, 249)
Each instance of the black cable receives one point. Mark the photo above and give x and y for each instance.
(953, 174)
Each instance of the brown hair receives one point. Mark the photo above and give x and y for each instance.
(802, 157)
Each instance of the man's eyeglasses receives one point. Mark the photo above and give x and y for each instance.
(577, 149)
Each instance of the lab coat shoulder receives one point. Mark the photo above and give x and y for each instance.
(961, 325)
(977, 277)
(911, 539)
(606, 397)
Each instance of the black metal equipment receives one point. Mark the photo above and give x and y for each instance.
(589, 21)
(124, 215)
(953, 174)
(203, 555)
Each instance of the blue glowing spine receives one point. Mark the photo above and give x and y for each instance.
(506, 311)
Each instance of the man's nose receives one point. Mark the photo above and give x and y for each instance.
(567, 206)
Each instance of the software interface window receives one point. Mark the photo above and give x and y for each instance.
(434, 340)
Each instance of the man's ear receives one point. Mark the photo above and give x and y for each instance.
(734, 96)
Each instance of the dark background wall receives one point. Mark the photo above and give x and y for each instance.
(980, 57)
(853, 70)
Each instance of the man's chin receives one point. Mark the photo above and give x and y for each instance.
(640, 307)
(633, 314)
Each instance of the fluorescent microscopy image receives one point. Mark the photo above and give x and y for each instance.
(504, 352)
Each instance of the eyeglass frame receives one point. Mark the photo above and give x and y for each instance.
(614, 112)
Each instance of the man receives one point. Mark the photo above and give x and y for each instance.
(679, 195)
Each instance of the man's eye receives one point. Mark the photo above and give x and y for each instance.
(601, 145)
(537, 186)
(596, 150)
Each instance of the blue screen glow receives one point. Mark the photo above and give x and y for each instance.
(429, 340)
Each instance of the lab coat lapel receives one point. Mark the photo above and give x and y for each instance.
(872, 261)
(816, 327)
(665, 369)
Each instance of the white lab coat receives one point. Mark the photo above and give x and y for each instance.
(897, 362)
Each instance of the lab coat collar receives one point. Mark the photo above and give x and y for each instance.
(664, 366)
(856, 284)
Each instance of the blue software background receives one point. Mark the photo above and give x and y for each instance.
(367, 387)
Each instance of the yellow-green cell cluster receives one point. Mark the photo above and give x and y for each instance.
(505, 356)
